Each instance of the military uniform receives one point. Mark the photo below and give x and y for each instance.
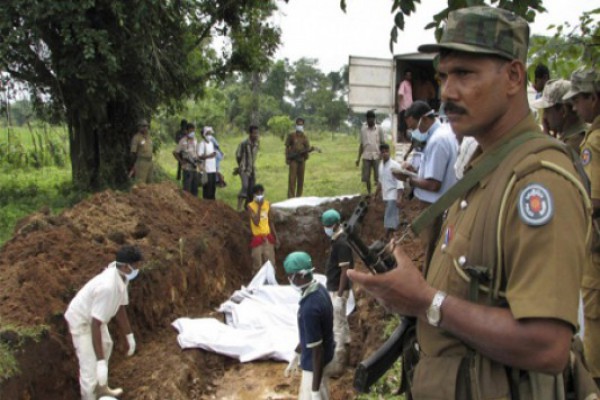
(141, 145)
(536, 252)
(573, 136)
(297, 147)
(590, 157)
(588, 81)
(524, 259)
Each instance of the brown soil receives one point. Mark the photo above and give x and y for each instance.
(196, 255)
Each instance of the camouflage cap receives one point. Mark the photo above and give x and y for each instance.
(484, 30)
(583, 81)
(553, 93)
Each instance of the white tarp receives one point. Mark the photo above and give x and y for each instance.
(296, 202)
(261, 322)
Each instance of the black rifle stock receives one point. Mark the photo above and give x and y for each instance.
(370, 370)
(379, 261)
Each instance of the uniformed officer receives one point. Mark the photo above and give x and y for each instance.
(559, 115)
(494, 327)
(297, 147)
(585, 97)
(141, 150)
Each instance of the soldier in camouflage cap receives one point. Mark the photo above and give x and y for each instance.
(559, 115)
(475, 336)
(484, 30)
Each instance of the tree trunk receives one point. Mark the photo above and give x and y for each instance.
(99, 147)
(255, 112)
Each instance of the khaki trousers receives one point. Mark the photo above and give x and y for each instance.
(261, 254)
(296, 179)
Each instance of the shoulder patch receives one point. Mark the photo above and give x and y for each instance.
(536, 206)
(586, 156)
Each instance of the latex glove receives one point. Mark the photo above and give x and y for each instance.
(102, 372)
(315, 395)
(131, 344)
(339, 305)
(292, 367)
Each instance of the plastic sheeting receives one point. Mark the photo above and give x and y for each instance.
(261, 321)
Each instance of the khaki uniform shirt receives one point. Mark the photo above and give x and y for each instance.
(542, 266)
(370, 138)
(295, 144)
(573, 136)
(142, 146)
(190, 147)
(590, 158)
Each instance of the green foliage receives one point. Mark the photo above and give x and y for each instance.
(569, 48)
(404, 8)
(280, 125)
(36, 146)
(101, 65)
(25, 191)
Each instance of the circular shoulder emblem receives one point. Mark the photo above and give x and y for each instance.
(586, 156)
(536, 206)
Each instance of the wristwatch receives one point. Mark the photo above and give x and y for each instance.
(434, 312)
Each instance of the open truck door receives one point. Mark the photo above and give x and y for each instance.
(373, 83)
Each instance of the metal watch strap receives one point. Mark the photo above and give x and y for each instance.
(434, 312)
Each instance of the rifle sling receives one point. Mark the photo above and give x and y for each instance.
(470, 179)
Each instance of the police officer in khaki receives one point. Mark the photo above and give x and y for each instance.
(500, 326)
(585, 97)
(297, 148)
(141, 151)
(561, 118)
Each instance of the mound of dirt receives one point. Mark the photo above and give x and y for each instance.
(196, 254)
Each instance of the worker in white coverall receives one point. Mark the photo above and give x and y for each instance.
(102, 298)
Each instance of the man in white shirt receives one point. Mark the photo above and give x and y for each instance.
(391, 190)
(102, 298)
(206, 152)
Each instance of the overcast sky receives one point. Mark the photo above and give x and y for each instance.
(319, 29)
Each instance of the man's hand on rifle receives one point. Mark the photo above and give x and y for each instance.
(403, 290)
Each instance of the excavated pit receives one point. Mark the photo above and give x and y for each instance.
(196, 255)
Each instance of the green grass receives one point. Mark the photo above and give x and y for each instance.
(25, 191)
(329, 173)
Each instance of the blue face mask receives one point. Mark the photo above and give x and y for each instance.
(328, 230)
(192, 135)
(417, 135)
(299, 128)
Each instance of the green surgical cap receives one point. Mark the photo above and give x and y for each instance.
(297, 261)
(330, 217)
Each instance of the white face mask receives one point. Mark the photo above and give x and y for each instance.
(131, 275)
(297, 287)
(299, 128)
(328, 230)
(192, 134)
(259, 197)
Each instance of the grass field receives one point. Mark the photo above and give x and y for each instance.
(25, 189)
(329, 173)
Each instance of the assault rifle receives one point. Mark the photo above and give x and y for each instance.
(187, 157)
(299, 155)
(378, 259)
